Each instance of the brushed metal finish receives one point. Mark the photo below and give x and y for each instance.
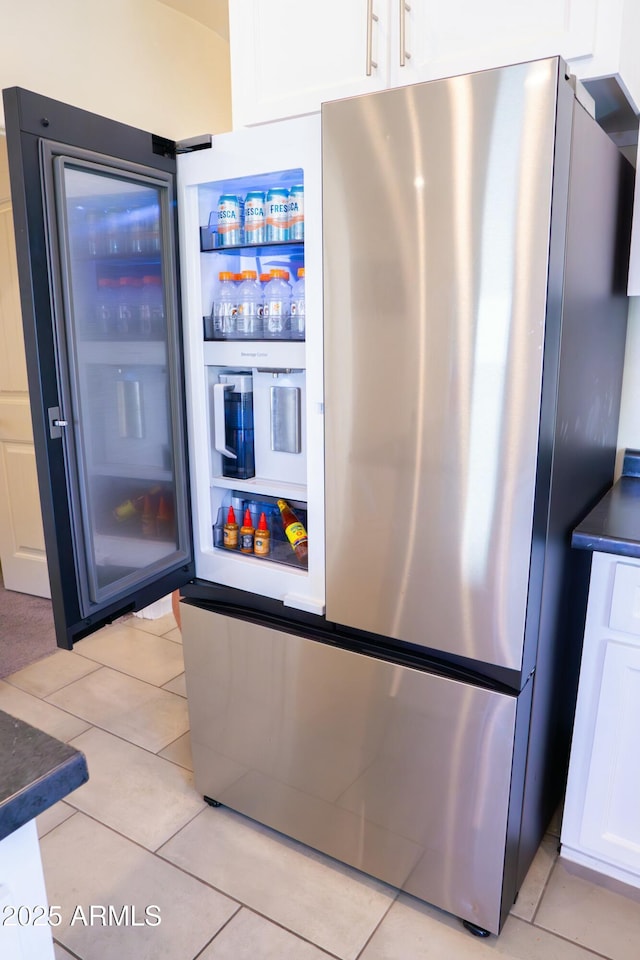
(402, 774)
(284, 408)
(437, 205)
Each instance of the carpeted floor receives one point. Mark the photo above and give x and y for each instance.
(26, 630)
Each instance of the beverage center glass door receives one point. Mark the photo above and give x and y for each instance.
(116, 346)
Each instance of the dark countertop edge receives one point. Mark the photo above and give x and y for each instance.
(603, 544)
(36, 770)
(613, 525)
(42, 793)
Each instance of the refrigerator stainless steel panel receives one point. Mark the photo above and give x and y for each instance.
(403, 774)
(437, 210)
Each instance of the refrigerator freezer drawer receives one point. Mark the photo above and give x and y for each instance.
(400, 773)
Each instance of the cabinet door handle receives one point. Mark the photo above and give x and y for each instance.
(371, 16)
(404, 9)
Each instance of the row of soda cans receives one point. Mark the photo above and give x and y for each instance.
(261, 217)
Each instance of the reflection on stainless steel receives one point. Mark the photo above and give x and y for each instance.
(440, 264)
(366, 760)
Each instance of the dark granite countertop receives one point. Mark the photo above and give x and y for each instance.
(36, 771)
(613, 526)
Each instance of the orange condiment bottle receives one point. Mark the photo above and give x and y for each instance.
(262, 538)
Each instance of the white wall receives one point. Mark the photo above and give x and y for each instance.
(136, 61)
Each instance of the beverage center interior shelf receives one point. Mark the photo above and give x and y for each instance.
(290, 256)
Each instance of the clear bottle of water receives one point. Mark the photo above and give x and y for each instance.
(250, 307)
(298, 317)
(151, 306)
(124, 307)
(104, 308)
(225, 308)
(277, 306)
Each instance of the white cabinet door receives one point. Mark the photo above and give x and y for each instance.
(460, 36)
(615, 52)
(601, 822)
(611, 820)
(287, 57)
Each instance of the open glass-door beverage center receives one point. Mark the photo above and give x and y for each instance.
(125, 349)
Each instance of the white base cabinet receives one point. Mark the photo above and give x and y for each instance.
(287, 57)
(26, 920)
(601, 824)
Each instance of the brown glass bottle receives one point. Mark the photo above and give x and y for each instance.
(294, 530)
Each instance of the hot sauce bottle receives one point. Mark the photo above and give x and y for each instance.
(230, 536)
(262, 538)
(294, 530)
(247, 534)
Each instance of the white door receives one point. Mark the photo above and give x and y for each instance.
(432, 40)
(287, 57)
(22, 550)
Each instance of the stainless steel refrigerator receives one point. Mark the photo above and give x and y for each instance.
(403, 699)
(474, 252)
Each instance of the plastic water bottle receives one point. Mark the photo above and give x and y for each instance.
(124, 307)
(297, 307)
(277, 306)
(104, 308)
(151, 310)
(250, 307)
(225, 308)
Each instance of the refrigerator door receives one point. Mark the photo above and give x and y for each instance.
(94, 207)
(437, 218)
(401, 773)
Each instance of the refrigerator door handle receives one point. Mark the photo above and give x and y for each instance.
(219, 432)
(55, 423)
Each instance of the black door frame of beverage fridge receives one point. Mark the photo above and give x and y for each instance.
(29, 119)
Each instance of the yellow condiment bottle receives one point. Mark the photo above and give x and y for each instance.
(230, 536)
(247, 534)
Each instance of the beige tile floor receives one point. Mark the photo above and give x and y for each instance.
(137, 836)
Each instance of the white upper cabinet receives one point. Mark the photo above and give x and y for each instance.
(288, 57)
(446, 37)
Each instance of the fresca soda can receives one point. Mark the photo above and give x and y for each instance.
(229, 220)
(278, 214)
(255, 218)
(296, 212)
